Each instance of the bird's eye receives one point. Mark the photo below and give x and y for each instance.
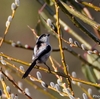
(44, 35)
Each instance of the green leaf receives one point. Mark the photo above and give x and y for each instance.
(78, 6)
(92, 74)
(89, 73)
(92, 59)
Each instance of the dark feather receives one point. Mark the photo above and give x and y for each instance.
(29, 69)
(44, 52)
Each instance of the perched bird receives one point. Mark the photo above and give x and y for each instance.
(42, 51)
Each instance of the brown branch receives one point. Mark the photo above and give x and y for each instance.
(61, 50)
(52, 72)
(13, 82)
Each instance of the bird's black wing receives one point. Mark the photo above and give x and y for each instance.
(44, 52)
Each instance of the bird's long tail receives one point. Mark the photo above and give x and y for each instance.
(29, 69)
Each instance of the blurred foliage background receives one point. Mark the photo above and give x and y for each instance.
(27, 14)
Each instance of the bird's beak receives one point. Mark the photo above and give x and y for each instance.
(48, 34)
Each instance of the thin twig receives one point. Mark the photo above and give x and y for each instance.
(46, 70)
(90, 5)
(85, 82)
(7, 28)
(90, 97)
(80, 16)
(4, 88)
(35, 79)
(28, 47)
(13, 82)
(61, 50)
(66, 27)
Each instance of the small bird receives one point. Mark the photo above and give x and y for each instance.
(42, 51)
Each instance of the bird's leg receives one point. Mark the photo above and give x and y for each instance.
(47, 66)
